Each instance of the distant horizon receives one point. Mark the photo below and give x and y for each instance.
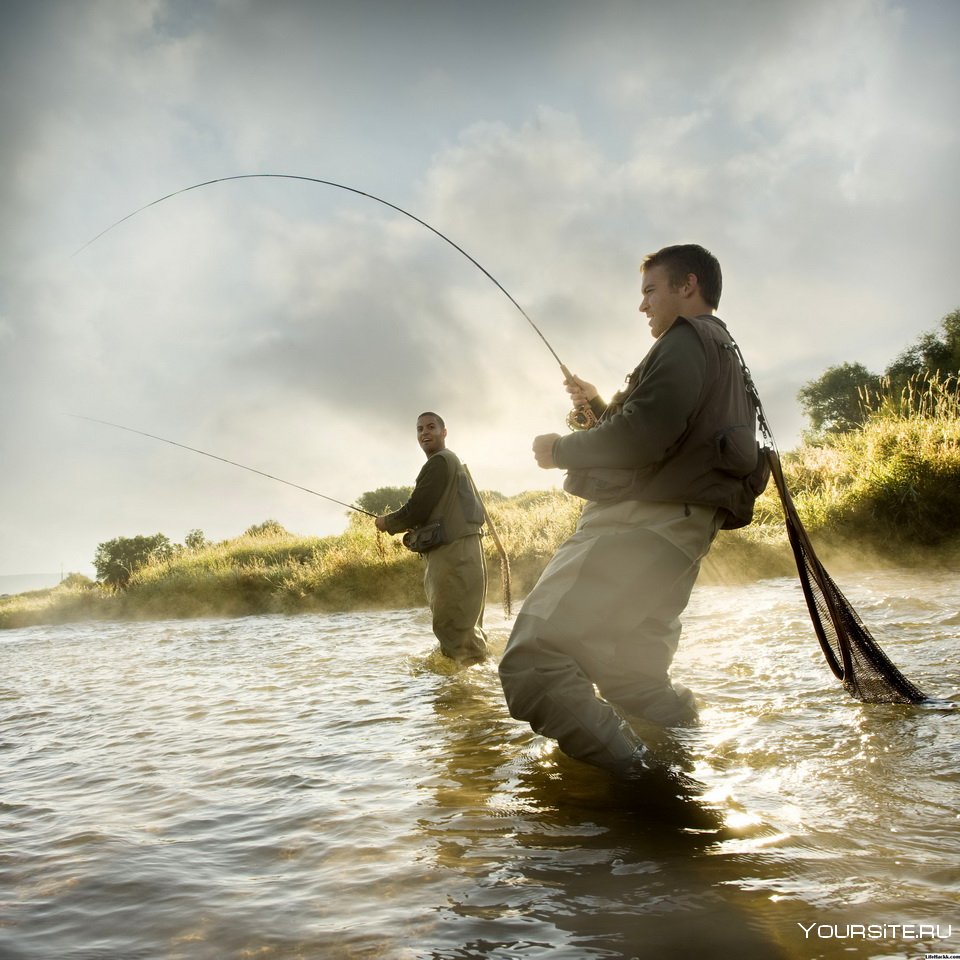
(24, 582)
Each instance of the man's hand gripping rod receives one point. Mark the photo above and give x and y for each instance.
(581, 417)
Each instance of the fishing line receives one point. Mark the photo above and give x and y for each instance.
(340, 186)
(583, 415)
(213, 456)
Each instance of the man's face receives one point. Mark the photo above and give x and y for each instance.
(430, 435)
(661, 302)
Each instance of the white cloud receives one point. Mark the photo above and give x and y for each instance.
(301, 329)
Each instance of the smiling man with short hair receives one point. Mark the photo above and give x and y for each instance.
(665, 468)
(444, 515)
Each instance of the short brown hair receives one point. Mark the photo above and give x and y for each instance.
(436, 416)
(685, 258)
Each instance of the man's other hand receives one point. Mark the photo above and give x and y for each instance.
(543, 449)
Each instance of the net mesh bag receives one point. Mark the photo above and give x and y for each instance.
(852, 654)
(855, 658)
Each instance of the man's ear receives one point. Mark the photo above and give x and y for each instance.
(690, 286)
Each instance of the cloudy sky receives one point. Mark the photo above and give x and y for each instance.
(300, 329)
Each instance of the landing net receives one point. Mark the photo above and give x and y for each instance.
(852, 654)
(855, 658)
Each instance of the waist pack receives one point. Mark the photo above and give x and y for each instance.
(426, 538)
(608, 484)
(600, 484)
(759, 477)
(754, 483)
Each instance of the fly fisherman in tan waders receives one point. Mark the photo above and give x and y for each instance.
(444, 516)
(665, 468)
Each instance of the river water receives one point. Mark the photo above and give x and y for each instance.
(322, 787)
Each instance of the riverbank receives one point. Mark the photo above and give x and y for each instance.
(879, 497)
(358, 570)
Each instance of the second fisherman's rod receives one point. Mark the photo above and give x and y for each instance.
(584, 415)
(213, 456)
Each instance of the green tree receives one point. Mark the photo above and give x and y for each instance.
(927, 355)
(384, 499)
(930, 353)
(832, 401)
(269, 528)
(951, 335)
(116, 560)
(195, 540)
(76, 580)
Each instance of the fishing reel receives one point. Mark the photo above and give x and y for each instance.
(581, 418)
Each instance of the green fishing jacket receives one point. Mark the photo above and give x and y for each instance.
(683, 430)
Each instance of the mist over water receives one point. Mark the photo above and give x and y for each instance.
(325, 786)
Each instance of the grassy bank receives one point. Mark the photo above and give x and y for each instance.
(882, 495)
(282, 573)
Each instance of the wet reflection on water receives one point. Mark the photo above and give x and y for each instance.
(328, 787)
(553, 856)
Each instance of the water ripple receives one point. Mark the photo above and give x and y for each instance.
(326, 786)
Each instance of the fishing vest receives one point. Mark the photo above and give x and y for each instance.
(717, 461)
(459, 507)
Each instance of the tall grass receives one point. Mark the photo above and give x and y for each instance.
(278, 572)
(889, 489)
(896, 480)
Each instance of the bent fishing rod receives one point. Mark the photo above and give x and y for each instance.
(213, 456)
(584, 415)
